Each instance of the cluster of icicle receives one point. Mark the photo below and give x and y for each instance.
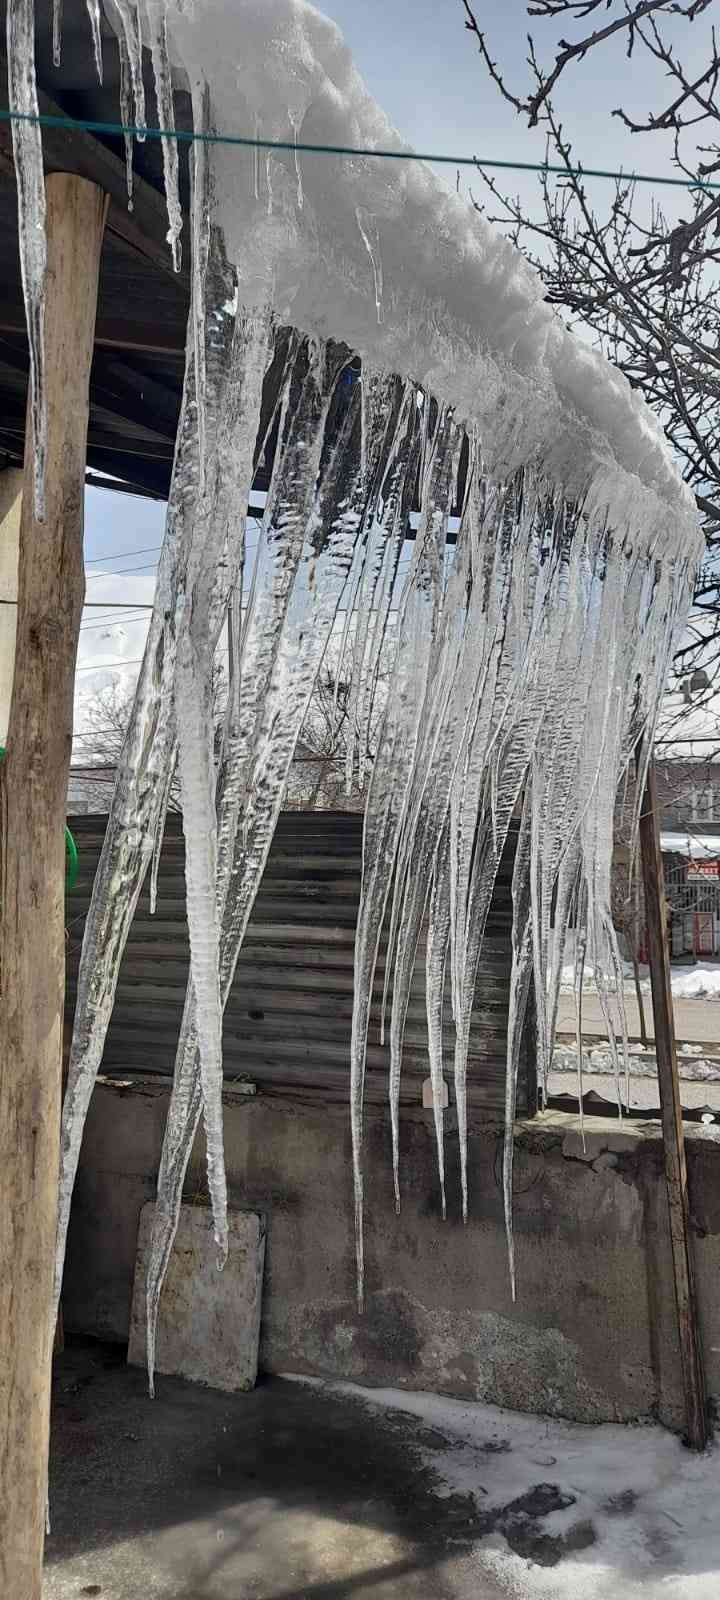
(522, 674)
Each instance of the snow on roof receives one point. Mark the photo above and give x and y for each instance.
(379, 254)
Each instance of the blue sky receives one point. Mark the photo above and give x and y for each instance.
(422, 65)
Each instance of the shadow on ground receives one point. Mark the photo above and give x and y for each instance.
(287, 1493)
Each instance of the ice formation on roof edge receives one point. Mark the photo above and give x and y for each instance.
(522, 678)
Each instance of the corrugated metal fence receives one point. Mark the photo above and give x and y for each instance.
(287, 1023)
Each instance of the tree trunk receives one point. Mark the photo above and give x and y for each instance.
(33, 787)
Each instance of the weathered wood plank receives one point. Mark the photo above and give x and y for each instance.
(33, 784)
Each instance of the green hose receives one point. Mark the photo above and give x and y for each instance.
(72, 860)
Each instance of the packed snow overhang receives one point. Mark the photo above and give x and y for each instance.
(410, 276)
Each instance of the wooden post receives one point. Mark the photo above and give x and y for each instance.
(33, 787)
(10, 505)
(671, 1111)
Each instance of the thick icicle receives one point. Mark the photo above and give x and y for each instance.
(149, 744)
(30, 182)
(422, 822)
(290, 625)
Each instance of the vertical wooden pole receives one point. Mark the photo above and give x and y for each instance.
(671, 1111)
(33, 787)
(10, 507)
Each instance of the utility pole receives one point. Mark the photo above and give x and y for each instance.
(672, 1125)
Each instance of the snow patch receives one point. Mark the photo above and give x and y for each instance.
(651, 1504)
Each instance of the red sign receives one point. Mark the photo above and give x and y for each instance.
(697, 870)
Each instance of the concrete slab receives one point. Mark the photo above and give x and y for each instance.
(209, 1324)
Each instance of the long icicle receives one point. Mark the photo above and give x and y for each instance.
(28, 161)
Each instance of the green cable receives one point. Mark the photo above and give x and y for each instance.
(189, 136)
(72, 859)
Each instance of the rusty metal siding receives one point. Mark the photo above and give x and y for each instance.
(287, 1023)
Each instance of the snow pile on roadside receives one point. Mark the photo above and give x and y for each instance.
(643, 1508)
(701, 982)
(693, 1065)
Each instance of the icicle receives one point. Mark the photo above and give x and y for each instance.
(127, 23)
(30, 183)
(149, 741)
(379, 555)
(580, 949)
(423, 820)
(294, 611)
(157, 29)
(436, 952)
(200, 240)
(223, 495)
(126, 114)
(520, 977)
(57, 32)
(160, 834)
(256, 159)
(93, 10)
(298, 168)
(371, 240)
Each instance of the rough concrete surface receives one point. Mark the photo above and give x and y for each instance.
(593, 1332)
(209, 1322)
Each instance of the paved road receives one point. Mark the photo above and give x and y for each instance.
(696, 1021)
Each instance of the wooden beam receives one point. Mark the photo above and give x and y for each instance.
(33, 783)
(118, 392)
(672, 1123)
(113, 333)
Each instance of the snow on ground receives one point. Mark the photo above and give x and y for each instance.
(693, 1064)
(640, 1513)
(698, 982)
(701, 982)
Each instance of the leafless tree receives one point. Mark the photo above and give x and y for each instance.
(318, 776)
(101, 734)
(318, 780)
(647, 286)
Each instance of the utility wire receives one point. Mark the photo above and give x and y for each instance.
(107, 666)
(120, 555)
(191, 136)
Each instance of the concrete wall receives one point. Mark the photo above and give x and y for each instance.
(592, 1334)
